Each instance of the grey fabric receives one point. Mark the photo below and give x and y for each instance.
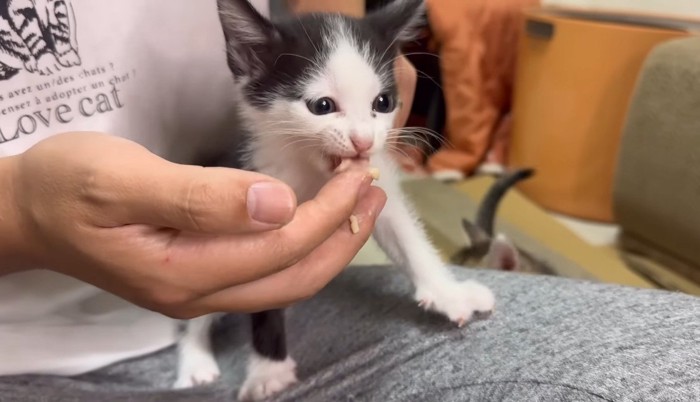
(364, 339)
(656, 194)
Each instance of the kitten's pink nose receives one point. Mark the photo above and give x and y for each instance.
(361, 144)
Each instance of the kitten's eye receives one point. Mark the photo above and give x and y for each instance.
(384, 103)
(321, 106)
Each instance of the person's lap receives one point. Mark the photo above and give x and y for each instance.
(363, 338)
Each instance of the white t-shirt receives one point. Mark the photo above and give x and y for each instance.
(152, 71)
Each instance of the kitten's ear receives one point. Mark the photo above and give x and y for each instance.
(502, 255)
(401, 19)
(248, 35)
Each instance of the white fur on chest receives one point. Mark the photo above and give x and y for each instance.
(303, 174)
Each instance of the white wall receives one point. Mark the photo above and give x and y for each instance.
(688, 9)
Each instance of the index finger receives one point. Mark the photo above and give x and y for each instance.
(304, 279)
(215, 263)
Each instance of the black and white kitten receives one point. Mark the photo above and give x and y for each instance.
(310, 91)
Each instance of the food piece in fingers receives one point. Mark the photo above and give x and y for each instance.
(354, 224)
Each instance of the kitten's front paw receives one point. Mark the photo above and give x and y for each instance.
(458, 301)
(266, 378)
(195, 371)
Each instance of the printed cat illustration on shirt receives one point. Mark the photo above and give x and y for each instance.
(37, 36)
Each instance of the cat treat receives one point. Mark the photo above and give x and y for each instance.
(354, 224)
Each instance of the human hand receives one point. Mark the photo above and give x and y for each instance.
(183, 240)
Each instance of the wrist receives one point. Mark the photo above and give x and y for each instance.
(14, 245)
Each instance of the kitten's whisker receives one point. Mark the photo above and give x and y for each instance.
(304, 133)
(414, 138)
(412, 131)
(308, 147)
(418, 72)
(303, 141)
(296, 137)
(408, 54)
(387, 49)
(422, 74)
(395, 148)
(422, 54)
(403, 152)
(426, 76)
(284, 129)
(417, 144)
(420, 141)
(421, 130)
(398, 150)
(307, 35)
(277, 134)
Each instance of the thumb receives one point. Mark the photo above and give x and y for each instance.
(207, 200)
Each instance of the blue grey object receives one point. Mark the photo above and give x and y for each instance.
(364, 339)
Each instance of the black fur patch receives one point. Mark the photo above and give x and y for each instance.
(301, 49)
(290, 50)
(269, 338)
(295, 55)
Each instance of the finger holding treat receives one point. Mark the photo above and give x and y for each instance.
(346, 164)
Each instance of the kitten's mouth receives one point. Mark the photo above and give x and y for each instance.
(342, 163)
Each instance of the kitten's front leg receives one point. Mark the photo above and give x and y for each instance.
(196, 362)
(402, 237)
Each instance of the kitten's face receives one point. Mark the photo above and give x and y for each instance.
(322, 83)
(341, 103)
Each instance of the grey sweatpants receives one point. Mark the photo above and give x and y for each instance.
(364, 339)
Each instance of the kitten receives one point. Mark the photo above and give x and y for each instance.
(484, 249)
(311, 90)
(497, 252)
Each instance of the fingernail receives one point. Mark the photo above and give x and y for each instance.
(365, 186)
(270, 203)
(378, 207)
(357, 181)
(371, 206)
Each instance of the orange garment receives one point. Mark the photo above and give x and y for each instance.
(477, 44)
